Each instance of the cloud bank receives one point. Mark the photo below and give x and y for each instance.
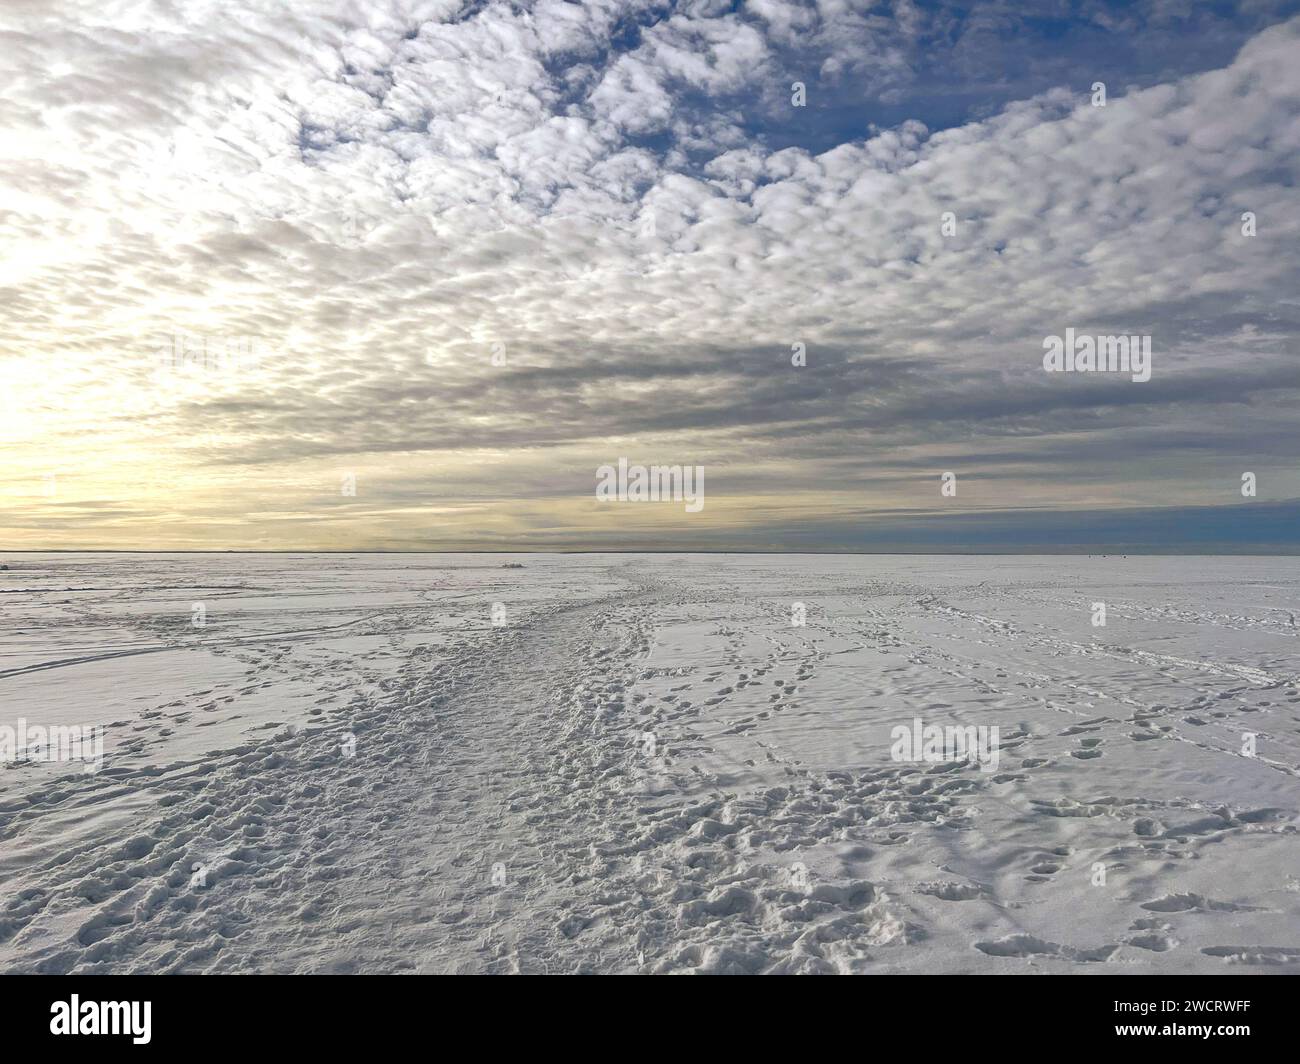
(464, 254)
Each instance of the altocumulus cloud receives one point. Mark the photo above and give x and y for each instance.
(467, 253)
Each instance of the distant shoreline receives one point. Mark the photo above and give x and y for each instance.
(1125, 552)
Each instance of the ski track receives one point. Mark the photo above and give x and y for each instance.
(503, 812)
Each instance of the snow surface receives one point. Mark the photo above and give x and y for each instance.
(648, 767)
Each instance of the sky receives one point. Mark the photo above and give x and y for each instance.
(405, 274)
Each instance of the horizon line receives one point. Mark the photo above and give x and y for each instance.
(1121, 552)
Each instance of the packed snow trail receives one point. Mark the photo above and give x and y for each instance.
(310, 859)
